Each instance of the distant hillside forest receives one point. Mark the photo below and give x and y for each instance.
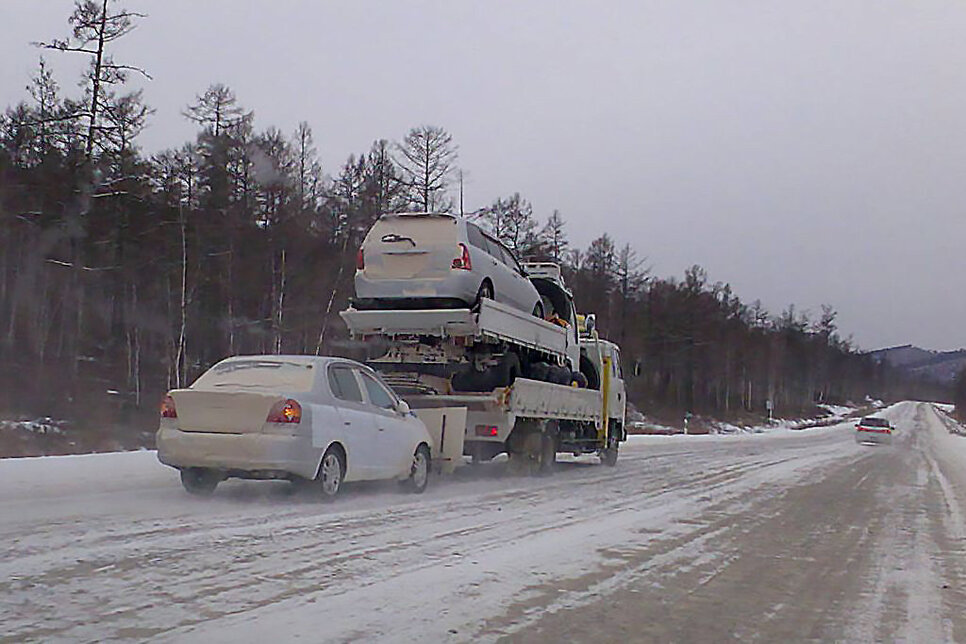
(124, 274)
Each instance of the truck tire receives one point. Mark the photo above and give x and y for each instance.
(548, 455)
(506, 371)
(579, 379)
(608, 455)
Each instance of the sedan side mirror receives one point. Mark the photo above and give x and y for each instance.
(403, 407)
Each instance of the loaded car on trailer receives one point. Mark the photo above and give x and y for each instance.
(527, 383)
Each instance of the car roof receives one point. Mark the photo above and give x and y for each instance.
(320, 361)
(389, 215)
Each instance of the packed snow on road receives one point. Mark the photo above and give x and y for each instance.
(781, 535)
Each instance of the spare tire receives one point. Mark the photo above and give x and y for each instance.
(559, 375)
(506, 371)
(539, 371)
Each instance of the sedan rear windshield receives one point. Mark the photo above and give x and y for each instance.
(262, 375)
(875, 422)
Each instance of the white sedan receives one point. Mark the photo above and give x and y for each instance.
(301, 418)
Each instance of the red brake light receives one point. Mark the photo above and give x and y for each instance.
(285, 411)
(487, 430)
(168, 410)
(360, 261)
(463, 261)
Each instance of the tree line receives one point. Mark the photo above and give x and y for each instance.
(123, 273)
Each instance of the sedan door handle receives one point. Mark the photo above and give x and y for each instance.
(347, 422)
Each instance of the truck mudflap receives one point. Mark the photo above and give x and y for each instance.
(494, 322)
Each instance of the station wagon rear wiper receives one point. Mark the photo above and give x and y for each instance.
(392, 238)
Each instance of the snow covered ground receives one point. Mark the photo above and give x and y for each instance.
(669, 544)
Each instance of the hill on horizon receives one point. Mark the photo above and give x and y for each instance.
(939, 366)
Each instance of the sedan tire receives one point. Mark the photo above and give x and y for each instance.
(419, 472)
(200, 481)
(331, 474)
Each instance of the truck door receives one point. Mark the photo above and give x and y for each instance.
(618, 401)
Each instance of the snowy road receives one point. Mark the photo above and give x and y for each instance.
(792, 535)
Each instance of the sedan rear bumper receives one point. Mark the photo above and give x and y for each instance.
(878, 437)
(240, 455)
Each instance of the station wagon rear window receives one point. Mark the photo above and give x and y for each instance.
(427, 230)
(875, 422)
(264, 375)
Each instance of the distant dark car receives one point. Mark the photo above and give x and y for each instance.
(872, 429)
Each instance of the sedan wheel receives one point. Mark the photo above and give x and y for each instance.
(331, 474)
(419, 473)
(200, 481)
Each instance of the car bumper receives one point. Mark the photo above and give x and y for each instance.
(461, 286)
(873, 437)
(239, 455)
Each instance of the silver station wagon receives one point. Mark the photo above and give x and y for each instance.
(432, 260)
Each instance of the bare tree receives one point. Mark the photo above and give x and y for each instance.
(427, 158)
(218, 111)
(511, 221)
(93, 28)
(554, 237)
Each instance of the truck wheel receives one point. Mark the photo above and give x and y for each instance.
(548, 455)
(419, 472)
(200, 481)
(608, 456)
(579, 378)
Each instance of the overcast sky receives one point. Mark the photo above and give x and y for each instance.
(809, 152)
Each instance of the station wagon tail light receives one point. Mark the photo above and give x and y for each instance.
(360, 260)
(285, 411)
(463, 261)
(168, 410)
(487, 430)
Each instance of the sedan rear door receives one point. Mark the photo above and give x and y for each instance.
(394, 434)
(358, 430)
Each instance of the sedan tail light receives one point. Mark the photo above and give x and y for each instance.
(285, 411)
(168, 410)
(463, 261)
(360, 261)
